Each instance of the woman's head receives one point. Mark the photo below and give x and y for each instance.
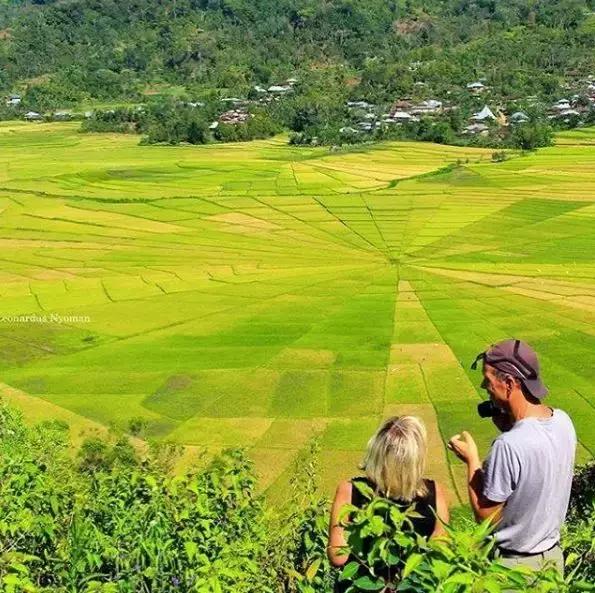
(396, 457)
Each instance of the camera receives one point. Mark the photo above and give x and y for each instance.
(488, 409)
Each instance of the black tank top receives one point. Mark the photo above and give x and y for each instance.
(424, 506)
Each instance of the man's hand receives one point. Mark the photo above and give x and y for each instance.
(464, 448)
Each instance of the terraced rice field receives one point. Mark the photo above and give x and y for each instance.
(257, 294)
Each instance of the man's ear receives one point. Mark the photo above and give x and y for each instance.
(511, 384)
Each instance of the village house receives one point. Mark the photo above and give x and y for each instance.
(478, 128)
(13, 100)
(366, 126)
(401, 105)
(485, 114)
(278, 88)
(566, 115)
(402, 117)
(519, 117)
(565, 109)
(33, 116)
(359, 104)
(233, 101)
(561, 105)
(62, 115)
(476, 87)
(430, 106)
(234, 117)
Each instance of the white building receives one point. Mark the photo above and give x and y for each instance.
(484, 115)
(277, 88)
(402, 116)
(474, 129)
(519, 117)
(476, 87)
(359, 104)
(33, 116)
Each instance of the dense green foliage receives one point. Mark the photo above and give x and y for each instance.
(172, 122)
(61, 53)
(108, 521)
(106, 49)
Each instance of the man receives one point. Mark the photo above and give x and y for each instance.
(524, 484)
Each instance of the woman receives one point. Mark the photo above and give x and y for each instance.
(394, 466)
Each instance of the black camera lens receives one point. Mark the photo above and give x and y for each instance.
(488, 409)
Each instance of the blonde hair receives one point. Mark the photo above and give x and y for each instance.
(396, 458)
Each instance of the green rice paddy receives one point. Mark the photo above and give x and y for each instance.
(258, 294)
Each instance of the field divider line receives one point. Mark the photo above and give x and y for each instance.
(394, 322)
(105, 291)
(350, 229)
(435, 211)
(36, 296)
(32, 265)
(12, 199)
(370, 213)
(336, 240)
(128, 241)
(444, 438)
(442, 435)
(317, 241)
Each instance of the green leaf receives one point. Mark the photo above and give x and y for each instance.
(349, 571)
(313, 569)
(364, 489)
(191, 549)
(412, 563)
(465, 578)
(571, 558)
(368, 584)
(491, 586)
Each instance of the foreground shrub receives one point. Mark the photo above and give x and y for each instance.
(386, 555)
(579, 533)
(109, 521)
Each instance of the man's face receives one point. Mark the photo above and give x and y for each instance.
(495, 387)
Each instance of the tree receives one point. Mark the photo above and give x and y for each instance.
(531, 135)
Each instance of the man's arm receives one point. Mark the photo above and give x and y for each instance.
(465, 449)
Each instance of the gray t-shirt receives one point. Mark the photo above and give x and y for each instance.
(530, 469)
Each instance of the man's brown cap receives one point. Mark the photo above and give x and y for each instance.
(519, 360)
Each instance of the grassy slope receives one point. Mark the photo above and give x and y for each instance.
(258, 294)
